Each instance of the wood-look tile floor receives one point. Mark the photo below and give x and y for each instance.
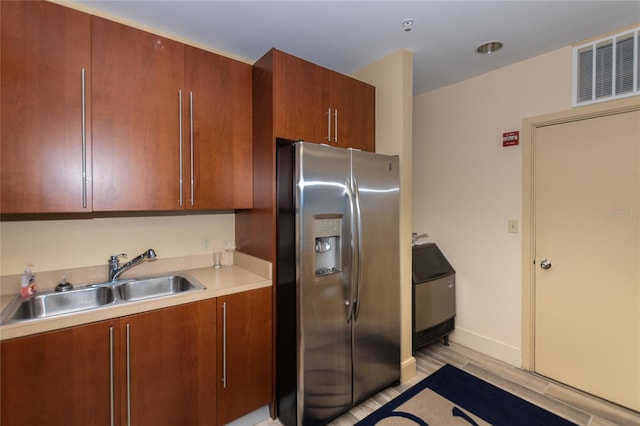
(576, 406)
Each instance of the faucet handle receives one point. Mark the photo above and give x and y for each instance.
(116, 256)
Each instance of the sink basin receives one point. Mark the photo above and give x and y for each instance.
(155, 287)
(51, 303)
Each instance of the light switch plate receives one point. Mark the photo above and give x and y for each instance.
(512, 226)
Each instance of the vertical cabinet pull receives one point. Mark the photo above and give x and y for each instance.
(335, 125)
(224, 345)
(191, 150)
(191, 144)
(180, 140)
(84, 138)
(128, 374)
(111, 372)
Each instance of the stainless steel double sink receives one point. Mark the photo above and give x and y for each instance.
(95, 296)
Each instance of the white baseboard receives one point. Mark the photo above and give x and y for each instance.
(407, 369)
(487, 346)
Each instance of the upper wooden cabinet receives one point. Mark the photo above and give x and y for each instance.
(137, 137)
(99, 116)
(218, 132)
(45, 108)
(322, 106)
(172, 124)
(137, 81)
(353, 112)
(302, 98)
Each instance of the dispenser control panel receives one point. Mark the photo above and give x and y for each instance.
(328, 245)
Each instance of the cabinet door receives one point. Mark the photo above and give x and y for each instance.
(169, 364)
(137, 146)
(245, 357)
(353, 102)
(59, 378)
(218, 132)
(301, 99)
(45, 48)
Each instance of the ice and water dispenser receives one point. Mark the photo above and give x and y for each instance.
(328, 256)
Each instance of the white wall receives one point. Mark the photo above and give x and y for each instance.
(393, 78)
(466, 187)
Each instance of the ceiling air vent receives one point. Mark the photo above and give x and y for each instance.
(607, 69)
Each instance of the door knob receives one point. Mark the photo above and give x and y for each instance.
(546, 264)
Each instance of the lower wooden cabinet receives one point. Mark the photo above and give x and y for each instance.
(154, 368)
(58, 378)
(169, 361)
(163, 367)
(245, 353)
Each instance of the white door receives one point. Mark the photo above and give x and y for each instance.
(587, 255)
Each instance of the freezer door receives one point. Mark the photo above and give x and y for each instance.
(376, 329)
(323, 259)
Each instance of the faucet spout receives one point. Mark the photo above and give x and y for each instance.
(115, 269)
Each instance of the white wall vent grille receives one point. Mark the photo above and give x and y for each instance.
(607, 69)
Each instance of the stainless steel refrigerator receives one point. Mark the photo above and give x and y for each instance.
(338, 279)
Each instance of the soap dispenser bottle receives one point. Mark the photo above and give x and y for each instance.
(28, 282)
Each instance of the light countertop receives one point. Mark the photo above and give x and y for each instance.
(248, 274)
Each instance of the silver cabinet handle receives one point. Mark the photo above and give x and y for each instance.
(180, 139)
(329, 124)
(111, 374)
(128, 374)
(191, 144)
(546, 264)
(84, 138)
(335, 124)
(224, 345)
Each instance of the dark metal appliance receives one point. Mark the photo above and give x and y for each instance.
(434, 295)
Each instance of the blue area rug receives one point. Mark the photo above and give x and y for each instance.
(451, 396)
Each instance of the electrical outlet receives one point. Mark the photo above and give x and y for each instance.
(512, 226)
(205, 243)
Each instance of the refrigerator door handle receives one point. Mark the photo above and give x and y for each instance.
(358, 270)
(353, 246)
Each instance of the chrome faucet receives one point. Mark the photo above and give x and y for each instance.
(115, 269)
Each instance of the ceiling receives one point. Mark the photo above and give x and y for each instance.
(347, 35)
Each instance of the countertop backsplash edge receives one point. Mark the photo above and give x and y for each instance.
(47, 280)
(247, 274)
